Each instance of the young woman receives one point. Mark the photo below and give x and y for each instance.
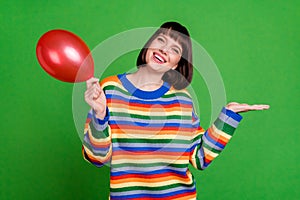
(144, 126)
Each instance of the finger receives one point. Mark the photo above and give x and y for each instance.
(234, 102)
(97, 90)
(90, 96)
(259, 107)
(264, 106)
(91, 81)
(96, 95)
(93, 95)
(89, 92)
(96, 85)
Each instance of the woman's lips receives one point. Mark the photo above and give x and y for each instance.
(158, 58)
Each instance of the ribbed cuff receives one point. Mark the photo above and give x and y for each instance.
(232, 114)
(100, 124)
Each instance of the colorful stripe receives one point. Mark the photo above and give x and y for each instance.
(149, 139)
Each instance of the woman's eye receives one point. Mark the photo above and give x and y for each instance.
(175, 50)
(160, 39)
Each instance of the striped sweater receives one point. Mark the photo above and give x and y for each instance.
(149, 139)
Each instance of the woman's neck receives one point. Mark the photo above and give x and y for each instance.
(145, 79)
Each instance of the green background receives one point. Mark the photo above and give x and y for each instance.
(255, 45)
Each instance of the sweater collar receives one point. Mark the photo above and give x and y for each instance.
(141, 93)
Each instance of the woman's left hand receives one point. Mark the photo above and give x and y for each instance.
(237, 107)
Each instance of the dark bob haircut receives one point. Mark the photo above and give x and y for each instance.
(181, 77)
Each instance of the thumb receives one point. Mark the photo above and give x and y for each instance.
(91, 81)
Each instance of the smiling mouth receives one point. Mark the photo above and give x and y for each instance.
(158, 58)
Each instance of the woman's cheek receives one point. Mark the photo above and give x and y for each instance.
(175, 59)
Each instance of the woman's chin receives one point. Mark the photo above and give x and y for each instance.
(157, 67)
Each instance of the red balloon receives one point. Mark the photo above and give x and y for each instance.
(64, 56)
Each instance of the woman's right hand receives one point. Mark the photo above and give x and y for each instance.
(95, 97)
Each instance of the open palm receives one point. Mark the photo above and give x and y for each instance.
(238, 107)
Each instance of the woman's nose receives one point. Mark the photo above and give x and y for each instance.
(163, 50)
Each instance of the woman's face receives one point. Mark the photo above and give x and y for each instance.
(163, 53)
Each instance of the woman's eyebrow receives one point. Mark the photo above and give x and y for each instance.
(174, 44)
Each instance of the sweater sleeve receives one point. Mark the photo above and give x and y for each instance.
(207, 145)
(97, 148)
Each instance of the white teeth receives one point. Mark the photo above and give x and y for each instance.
(159, 58)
